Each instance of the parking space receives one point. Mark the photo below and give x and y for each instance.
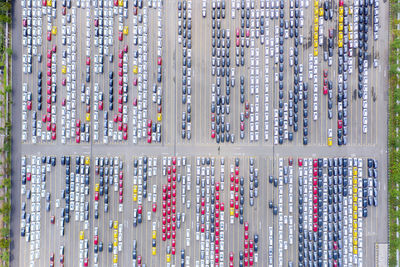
(236, 52)
(210, 210)
(201, 133)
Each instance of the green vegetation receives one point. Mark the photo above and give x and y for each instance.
(5, 134)
(394, 135)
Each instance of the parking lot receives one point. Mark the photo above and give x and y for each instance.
(199, 133)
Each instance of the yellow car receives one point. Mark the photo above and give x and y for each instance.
(115, 233)
(126, 30)
(154, 234)
(355, 189)
(355, 241)
(354, 224)
(81, 235)
(340, 43)
(115, 242)
(355, 250)
(355, 215)
(54, 30)
(341, 26)
(64, 69)
(97, 187)
(340, 19)
(121, 2)
(355, 171)
(316, 19)
(159, 117)
(329, 141)
(134, 197)
(134, 189)
(231, 212)
(115, 224)
(340, 36)
(135, 69)
(87, 116)
(355, 234)
(315, 51)
(316, 4)
(115, 258)
(321, 11)
(87, 160)
(49, 3)
(316, 27)
(355, 198)
(350, 28)
(315, 35)
(341, 10)
(315, 11)
(168, 257)
(154, 251)
(315, 43)
(351, 10)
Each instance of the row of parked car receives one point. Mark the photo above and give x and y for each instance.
(184, 9)
(143, 125)
(333, 200)
(220, 67)
(210, 210)
(35, 171)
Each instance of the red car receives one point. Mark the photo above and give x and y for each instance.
(96, 239)
(121, 199)
(325, 73)
(222, 207)
(86, 262)
(154, 207)
(126, 48)
(48, 36)
(96, 196)
(29, 105)
(159, 61)
(120, 36)
(88, 61)
(325, 90)
(52, 219)
(78, 139)
(340, 124)
(231, 256)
